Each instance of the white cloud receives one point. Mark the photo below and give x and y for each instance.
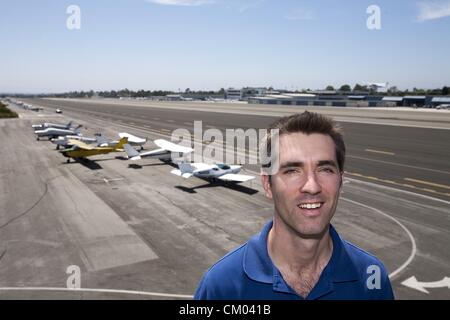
(182, 2)
(300, 14)
(431, 10)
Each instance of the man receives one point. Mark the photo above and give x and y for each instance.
(299, 255)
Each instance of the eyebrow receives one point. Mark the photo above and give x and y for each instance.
(327, 163)
(291, 164)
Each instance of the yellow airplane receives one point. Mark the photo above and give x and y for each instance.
(81, 150)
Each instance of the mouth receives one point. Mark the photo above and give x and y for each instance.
(310, 205)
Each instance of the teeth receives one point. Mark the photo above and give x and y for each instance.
(310, 205)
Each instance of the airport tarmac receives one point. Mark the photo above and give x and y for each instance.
(137, 231)
(410, 153)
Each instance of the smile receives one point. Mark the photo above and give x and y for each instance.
(315, 205)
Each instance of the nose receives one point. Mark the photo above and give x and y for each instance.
(311, 185)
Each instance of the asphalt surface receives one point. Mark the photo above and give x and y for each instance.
(137, 227)
(401, 154)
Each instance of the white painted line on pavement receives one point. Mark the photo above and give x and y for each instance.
(413, 241)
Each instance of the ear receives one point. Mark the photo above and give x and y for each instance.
(265, 181)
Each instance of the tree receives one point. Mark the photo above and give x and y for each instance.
(393, 90)
(124, 93)
(445, 91)
(331, 88)
(359, 87)
(345, 88)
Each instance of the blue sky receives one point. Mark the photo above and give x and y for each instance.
(209, 44)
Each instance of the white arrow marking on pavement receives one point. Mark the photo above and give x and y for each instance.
(415, 284)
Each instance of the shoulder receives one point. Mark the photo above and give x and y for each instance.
(224, 277)
(372, 272)
(361, 258)
(230, 264)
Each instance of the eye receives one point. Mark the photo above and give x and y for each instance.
(327, 170)
(290, 171)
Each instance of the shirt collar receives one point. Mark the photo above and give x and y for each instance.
(258, 265)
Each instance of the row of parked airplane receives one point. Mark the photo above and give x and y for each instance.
(78, 147)
(25, 106)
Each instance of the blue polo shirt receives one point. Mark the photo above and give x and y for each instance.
(248, 273)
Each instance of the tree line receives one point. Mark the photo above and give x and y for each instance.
(391, 90)
(126, 93)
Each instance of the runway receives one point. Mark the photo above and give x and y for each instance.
(408, 157)
(397, 180)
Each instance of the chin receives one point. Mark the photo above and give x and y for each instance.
(312, 230)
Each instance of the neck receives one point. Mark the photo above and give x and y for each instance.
(289, 249)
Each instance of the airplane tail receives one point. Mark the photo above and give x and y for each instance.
(131, 152)
(121, 143)
(101, 140)
(133, 139)
(186, 170)
(69, 124)
(78, 129)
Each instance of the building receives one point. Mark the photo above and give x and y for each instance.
(392, 101)
(436, 101)
(414, 101)
(173, 97)
(253, 92)
(233, 94)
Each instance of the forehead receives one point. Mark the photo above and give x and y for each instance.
(302, 147)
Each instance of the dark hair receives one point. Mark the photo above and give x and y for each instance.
(308, 123)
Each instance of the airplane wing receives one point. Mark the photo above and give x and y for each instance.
(236, 177)
(181, 174)
(167, 145)
(80, 145)
(132, 139)
(131, 152)
(200, 166)
(101, 140)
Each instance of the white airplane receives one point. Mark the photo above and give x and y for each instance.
(167, 150)
(31, 107)
(55, 132)
(211, 171)
(52, 125)
(377, 85)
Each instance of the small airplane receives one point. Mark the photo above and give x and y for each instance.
(31, 107)
(81, 150)
(378, 84)
(64, 141)
(52, 125)
(167, 150)
(211, 171)
(99, 140)
(55, 132)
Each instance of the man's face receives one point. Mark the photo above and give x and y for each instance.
(306, 188)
